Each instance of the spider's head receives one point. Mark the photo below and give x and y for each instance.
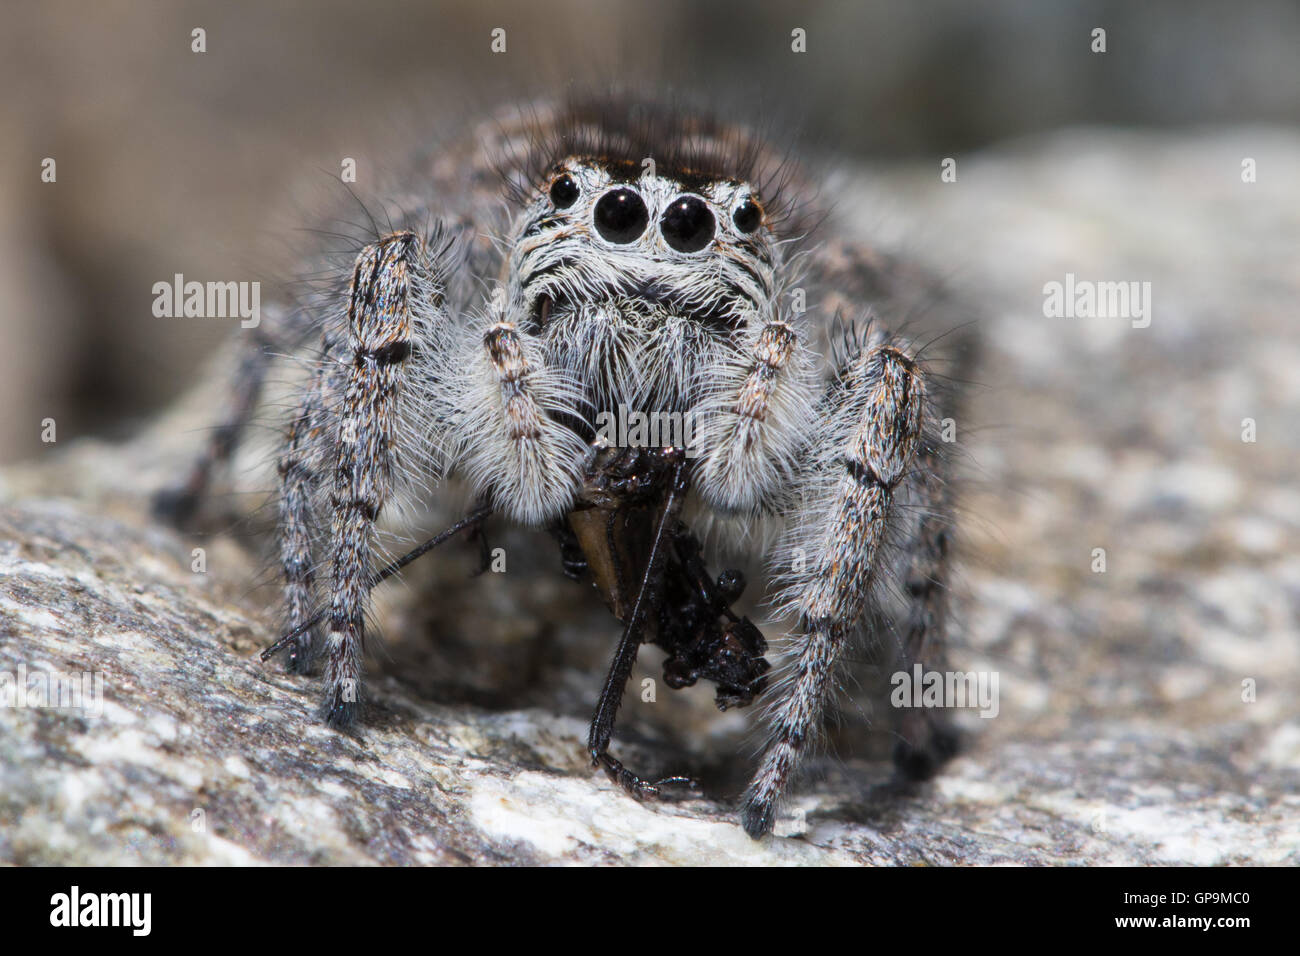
(638, 274)
(609, 238)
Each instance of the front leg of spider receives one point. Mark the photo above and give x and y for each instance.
(344, 440)
(380, 342)
(874, 418)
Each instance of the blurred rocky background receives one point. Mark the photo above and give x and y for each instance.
(204, 164)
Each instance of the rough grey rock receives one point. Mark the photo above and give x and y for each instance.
(1124, 734)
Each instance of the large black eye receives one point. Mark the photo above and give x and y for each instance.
(621, 215)
(687, 225)
(748, 216)
(564, 192)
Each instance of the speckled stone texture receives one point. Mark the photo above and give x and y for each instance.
(1123, 735)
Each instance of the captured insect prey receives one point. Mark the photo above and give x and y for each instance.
(609, 258)
(627, 529)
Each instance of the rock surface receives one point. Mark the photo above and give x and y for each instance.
(1148, 713)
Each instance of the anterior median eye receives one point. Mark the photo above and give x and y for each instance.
(687, 224)
(621, 215)
(564, 192)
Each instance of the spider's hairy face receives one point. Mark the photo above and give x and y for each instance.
(636, 280)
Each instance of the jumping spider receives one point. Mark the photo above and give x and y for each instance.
(650, 259)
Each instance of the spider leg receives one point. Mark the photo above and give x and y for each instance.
(179, 503)
(300, 469)
(395, 306)
(925, 738)
(874, 415)
(472, 521)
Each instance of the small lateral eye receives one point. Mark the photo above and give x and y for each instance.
(748, 216)
(564, 192)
